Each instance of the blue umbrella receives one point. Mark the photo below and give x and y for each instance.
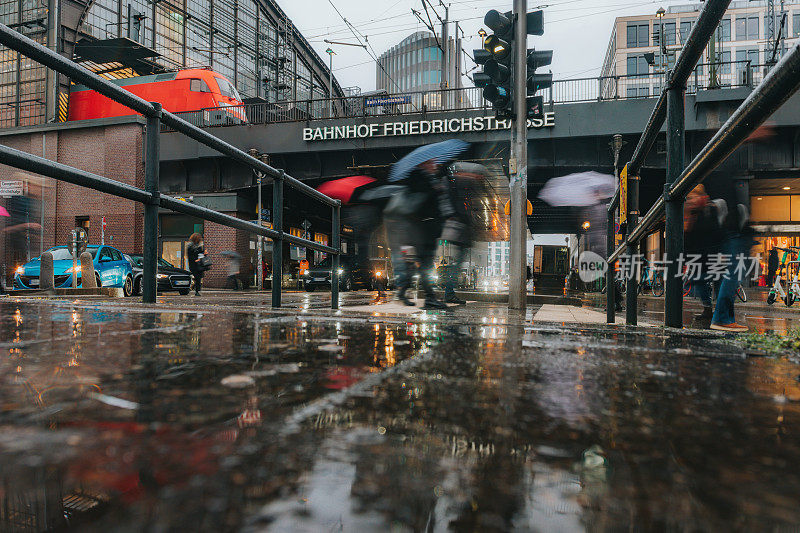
(441, 152)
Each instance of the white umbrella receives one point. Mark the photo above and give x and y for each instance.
(579, 189)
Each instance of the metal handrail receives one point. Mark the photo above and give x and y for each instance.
(151, 196)
(778, 86)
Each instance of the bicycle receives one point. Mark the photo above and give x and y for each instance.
(652, 281)
(792, 289)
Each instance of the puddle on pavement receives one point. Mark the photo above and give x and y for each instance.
(182, 420)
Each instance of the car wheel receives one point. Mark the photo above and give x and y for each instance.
(127, 287)
(308, 287)
(137, 287)
(183, 292)
(97, 279)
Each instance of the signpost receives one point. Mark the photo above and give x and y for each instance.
(103, 231)
(10, 188)
(623, 196)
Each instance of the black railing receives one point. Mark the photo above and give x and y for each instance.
(778, 84)
(570, 91)
(150, 196)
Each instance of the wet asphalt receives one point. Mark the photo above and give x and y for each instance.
(219, 414)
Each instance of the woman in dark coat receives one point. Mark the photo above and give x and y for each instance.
(194, 252)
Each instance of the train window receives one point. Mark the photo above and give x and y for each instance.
(199, 86)
(227, 89)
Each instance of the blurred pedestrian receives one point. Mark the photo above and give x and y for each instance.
(233, 270)
(703, 236)
(416, 215)
(463, 183)
(198, 264)
(772, 266)
(737, 242)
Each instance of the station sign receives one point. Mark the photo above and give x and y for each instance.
(623, 196)
(376, 101)
(420, 127)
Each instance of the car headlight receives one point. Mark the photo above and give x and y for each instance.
(378, 274)
(340, 271)
(72, 269)
(21, 271)
(161, 276)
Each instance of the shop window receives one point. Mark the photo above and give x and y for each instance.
(770, 208)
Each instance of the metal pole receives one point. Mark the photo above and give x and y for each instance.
(330, 84)
(444, 62)
(673, 302)
(74, 259)
(518, 167)
(151, 178)
(335, 238)
(632, 283)
(611, 317)
(260, 257)
(277, 243)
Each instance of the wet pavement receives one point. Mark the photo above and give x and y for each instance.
(217, 414)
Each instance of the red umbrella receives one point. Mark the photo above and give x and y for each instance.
(343, 189)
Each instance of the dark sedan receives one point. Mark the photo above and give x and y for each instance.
(168, 277)
(319, 276)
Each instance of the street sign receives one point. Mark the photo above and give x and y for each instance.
(103, 231)
(12, 188)
(387, 100)
(305, 224)
(265, 214)
(623, 195)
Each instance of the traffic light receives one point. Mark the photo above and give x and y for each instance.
(496, 58)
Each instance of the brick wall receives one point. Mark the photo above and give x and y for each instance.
(220, 239)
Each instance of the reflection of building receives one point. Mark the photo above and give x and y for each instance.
(498, 257)
(746, 33)
(252, 43)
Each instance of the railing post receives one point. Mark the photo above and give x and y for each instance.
(610, 288)
(673, 302)
(151, 177)
(632, 283)
(616, 87)
(277, 244)
(335, 239)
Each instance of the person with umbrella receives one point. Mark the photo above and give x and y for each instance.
(416, 214)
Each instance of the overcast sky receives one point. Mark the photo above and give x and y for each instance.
(576, 30)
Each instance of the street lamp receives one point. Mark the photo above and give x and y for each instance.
(662, 43)
(482, 34)
(330, 53)
(260, 177)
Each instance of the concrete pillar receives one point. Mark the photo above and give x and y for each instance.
(46, 279)
(88, 280)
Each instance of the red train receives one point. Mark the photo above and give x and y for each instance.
(211, 95)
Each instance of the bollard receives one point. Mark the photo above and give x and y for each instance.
(88, 281)
(46, 278)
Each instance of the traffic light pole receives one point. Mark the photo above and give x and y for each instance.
(518, 166)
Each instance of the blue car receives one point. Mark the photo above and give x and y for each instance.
(110, 267)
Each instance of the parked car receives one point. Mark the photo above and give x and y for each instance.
(111, 269)
(319, 276)
(168, 277)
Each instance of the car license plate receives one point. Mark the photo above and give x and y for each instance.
(319, 279)
(34, 283)
(182, 282)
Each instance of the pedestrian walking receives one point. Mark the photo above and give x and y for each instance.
(234, 267)
(703, 236)
(198, 261)
(772, 266)
(738, 240)
(416, 215)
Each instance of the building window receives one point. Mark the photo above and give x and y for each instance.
(686, 29)
(669, 33)
(637, 65)
(795, 24)
(746, 28)
(725, 30)
(726, 62)
(638, 34)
